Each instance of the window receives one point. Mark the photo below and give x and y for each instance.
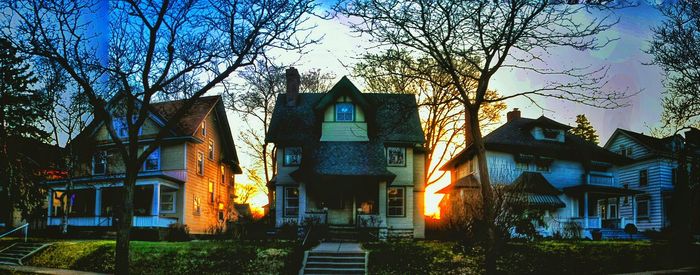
(395, 201)
(200, 163)
(643, 177)
(522, 166)
(197, 206)
(152, 163)
(121, 128)
(211, 191)
(292, 156)
(291, 201)
(223, 175)
(99, 163)
(543, 166)
(203, 128)
(550, 134)
(211, 150)
(396, 156)
(643, 208)
(625, 151)
(167, 202)
(344, 112)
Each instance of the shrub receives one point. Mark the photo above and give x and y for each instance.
(631, 229)
(572, 230)
(178, 233)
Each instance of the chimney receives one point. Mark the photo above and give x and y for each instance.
(293, 81)
(515, 113)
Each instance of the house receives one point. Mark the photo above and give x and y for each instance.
(348, 159)
(571, 179)
(652, 172)
(188, 180)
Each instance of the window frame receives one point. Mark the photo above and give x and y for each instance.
(519, 166)
(173, 201)
(648, 203)
(197, 205)
(200, 163)
(284, 156)
(223, 174)
(104, 170)
(646, 177)
(550, 131)
(286, 206)
(210, 150)
(149, 156)
(203, 128)
(403, 201)
(353, 112)
(121, 121)
(403, 151)
(539, 167)
(211, 191)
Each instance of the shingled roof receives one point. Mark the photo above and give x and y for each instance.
(190, 121)
(362, 159)
(515, 137)
(657, 145)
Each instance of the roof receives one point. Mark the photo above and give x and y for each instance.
(535, 183)
(515, 137)
(656, 145)
(190, 121)
(43, 156)
(545, 122)
(469, 181)
(394, 118)
(330, 159)
(601, 189)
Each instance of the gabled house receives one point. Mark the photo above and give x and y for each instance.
(348, 159)
(652, 172)
(188, 180)
(570, 178)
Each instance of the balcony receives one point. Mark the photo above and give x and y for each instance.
(139, 221)
(599, 179)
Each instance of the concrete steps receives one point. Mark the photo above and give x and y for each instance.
(15, 253)
(334, 263)
(341, 233)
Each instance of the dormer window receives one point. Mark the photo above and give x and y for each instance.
(121, 128)
(292, 156)
(550, 134)
(344, 112)
(99, 163)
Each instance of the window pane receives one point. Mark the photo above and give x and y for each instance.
(344, 112)
(396, 156)
(292, 156)
(395, 203)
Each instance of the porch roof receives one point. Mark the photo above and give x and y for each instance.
(609, 191)
(343, 159)
(543, 200)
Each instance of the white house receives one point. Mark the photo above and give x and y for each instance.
(571, 178)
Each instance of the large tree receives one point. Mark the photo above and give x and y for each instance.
(153, 45)
(584, 129)
(392, 71)
(491, 35)
(21, 110)
(675, 47)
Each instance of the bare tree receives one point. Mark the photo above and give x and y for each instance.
(392, 71)
(152, 45)
(472, 40)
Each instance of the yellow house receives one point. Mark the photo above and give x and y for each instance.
(188, 180)
(348, 159)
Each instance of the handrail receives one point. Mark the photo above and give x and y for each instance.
(26, 231)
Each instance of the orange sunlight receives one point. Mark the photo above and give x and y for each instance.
(432, 199)
(257, 202)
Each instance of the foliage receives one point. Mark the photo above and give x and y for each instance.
(676, 48)
(423, 257)
(178, 233)
(584, 129)
(631, 229)
(202, 257)
(244, 191)
(572, 230)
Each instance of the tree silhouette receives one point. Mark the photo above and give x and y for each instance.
(584, 129)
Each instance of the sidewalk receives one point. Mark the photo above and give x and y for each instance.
(684, 270)
(44, 270)
(338, 247)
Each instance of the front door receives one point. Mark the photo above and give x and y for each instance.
(340, 206)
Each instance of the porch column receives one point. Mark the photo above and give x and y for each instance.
(302, 202)
(98, 202)
(585, 209)
(50, 204)
(382, 200)
(634, 210)
(155, 205)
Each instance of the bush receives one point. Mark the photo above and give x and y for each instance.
(178, 233)
(631, 229)
(572, 230)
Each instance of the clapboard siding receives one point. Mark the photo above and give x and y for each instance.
(659, 179)
(620, 140)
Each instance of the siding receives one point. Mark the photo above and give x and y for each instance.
(343, 131)
(622, 140)
(659, 179)
(404, 175)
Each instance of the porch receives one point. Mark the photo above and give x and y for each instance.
(155, 205)
(344, 203)
(599, 203)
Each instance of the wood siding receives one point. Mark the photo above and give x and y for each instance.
(620, 140)
(343, 131)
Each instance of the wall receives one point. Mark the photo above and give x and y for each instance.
(659, 179)
(344, 131)
(623, 140)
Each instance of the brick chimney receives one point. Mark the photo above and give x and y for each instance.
(293, 81)
(515, 113)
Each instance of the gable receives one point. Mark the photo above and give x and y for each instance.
(621, 141)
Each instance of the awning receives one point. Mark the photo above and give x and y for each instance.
(544, 201)
(609, 191)
(535, 191)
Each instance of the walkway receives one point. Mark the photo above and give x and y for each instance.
(44, 270)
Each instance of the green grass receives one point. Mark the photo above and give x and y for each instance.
(203, 257)
(544, 257)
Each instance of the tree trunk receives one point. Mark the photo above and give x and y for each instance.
(121, 263)
(680, 219)
(488, 218)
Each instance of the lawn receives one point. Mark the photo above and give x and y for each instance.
(545, 257)
(203, 257)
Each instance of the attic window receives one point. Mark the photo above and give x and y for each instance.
(550, 134)
(344, 112)
(203, 127)
(292, 156)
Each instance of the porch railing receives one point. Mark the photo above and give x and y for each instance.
(593, 222)
(369, 220)
(316, 216)
(139, 221)
(618, 223)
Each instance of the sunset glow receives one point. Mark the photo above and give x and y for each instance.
(432, 200)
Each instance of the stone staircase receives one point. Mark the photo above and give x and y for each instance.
(334, 263)
(342, 233)
(15, 253)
